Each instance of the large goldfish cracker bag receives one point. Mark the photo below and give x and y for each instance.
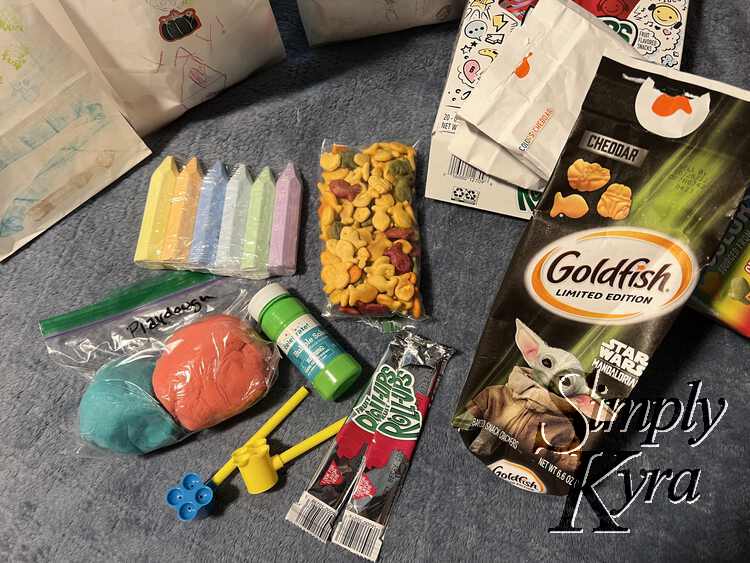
(327, 21)
(370, 259)
(527, 101)
(643, 193)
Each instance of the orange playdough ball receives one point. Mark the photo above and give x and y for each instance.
(212, 370)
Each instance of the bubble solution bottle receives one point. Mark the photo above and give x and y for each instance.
(285, 320)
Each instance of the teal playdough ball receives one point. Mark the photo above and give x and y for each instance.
(119, 411)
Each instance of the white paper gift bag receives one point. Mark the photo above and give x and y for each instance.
(62, 136)
(162, 57)
(473, 146)
(327, 21)
(530, 98)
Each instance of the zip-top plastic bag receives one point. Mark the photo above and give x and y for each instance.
(370, 261)
(642, 194)
(166, 357)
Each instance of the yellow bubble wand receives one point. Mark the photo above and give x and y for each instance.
(259, 470)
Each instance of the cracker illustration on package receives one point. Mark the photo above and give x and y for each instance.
(614, 250)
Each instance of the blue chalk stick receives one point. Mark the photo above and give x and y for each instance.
(208, 216)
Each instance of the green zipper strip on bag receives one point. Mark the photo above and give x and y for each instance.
(124, 300)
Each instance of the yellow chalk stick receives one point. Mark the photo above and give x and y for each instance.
(160, 192)
(181, 221)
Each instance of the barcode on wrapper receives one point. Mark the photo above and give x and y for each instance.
(313, 516)
(460, 169)
(359, 535)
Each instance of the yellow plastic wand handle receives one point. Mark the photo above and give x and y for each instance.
(277, 418)
(309, 443)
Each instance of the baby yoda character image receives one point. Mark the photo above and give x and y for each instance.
(535, 407)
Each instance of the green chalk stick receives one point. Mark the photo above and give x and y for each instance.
(259, 225)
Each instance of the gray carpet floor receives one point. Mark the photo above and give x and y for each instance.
(56, 506)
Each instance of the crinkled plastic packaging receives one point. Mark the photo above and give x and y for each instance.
(372, 453)
(370, 260)
(639, 201)
(223, 221)
(166, 358)
(724, 290)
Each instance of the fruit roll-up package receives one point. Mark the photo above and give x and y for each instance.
(319, 506)
(724, 290)
(370, 261)
(412, 379)
(642, 194)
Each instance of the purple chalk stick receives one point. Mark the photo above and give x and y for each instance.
(282, 257)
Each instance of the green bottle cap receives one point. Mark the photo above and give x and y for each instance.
(337, 377)
(264, 297)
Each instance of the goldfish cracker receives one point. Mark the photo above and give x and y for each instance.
(573, 206)
(370, 259)
(330, 161)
